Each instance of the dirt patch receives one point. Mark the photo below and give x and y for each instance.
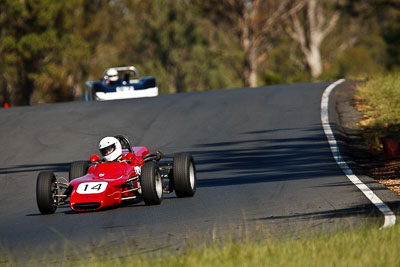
(387, 173)
(373, 163)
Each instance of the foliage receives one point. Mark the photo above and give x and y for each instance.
(39, 50)
(48, 49)
(379, 100)
(363, 59)
(284, 64)
(179, 47)
(391, 35)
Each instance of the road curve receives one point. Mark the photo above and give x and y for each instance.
(261, 155)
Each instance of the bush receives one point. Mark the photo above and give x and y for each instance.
(379, 100)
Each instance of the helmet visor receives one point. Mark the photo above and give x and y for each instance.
(113, 77)
(107, 150)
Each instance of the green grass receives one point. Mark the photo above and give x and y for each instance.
(361, 247)
(379, 100)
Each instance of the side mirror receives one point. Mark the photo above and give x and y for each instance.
(130, 156)
(94, 158)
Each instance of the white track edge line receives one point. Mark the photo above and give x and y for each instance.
(390, 217)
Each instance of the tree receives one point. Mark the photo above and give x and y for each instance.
(255, 22)
(177, 45)
(385, 15)
(48, 49)
(309, 27)
(40, 51)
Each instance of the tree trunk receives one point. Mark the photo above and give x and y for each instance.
(25, 86)
(250, 73)
(250, 66)
(314, 61)
(310, 31)
(248, 46)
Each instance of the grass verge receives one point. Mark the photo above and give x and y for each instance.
(361, 247)
(379, 100)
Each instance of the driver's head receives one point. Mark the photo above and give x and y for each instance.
(110, 148)
(112, 75)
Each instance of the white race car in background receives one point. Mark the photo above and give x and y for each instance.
(120, 83)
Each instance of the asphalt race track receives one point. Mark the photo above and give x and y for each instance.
(261, 156)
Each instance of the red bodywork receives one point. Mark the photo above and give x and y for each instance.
(105, 182)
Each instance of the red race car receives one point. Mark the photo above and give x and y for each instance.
(134, 175)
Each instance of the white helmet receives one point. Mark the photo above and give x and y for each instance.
(110, 148)
(112, 74)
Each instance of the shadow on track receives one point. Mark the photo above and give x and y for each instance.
(56, 167)
(261, 160)
(361, 210)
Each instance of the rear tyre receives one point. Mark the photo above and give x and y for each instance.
(184, 175)
(78, 169)
(151, 183)
(46, 189)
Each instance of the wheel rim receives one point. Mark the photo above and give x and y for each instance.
(159, 187)
(191, 175)
(54, 191)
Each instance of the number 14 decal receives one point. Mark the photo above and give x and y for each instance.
(91, 187)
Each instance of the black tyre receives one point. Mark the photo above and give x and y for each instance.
(184, 175)
(151, 182)
(78, 169)
(45, 190)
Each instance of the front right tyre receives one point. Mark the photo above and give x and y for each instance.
(184, 175)
(151, 183)
(78, 169)
(46, 189)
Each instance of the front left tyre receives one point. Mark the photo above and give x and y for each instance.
(46, 190)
